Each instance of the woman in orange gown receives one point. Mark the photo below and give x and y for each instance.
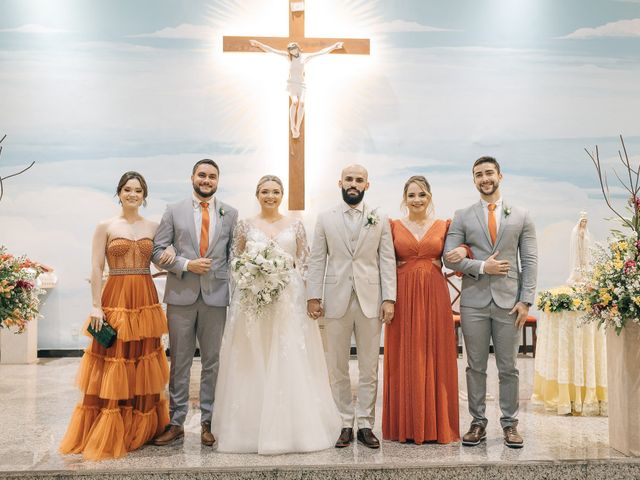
(420, 392)
(123, 404)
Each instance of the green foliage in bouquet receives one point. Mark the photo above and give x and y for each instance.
(19, 292)
(561, 299)
(612, 291)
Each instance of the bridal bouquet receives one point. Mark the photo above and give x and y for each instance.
(261, 273)
(18, 290)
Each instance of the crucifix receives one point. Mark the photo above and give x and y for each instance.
(292, 47)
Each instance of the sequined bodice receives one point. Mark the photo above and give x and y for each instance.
(123, 253)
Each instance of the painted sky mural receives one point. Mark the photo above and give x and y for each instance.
(90, 89)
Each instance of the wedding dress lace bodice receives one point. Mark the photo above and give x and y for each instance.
(291, 238)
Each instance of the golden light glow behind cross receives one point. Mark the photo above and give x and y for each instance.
(254, 91)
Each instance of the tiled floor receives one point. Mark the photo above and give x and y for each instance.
(36, 402)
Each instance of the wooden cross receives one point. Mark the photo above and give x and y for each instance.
(296, 34)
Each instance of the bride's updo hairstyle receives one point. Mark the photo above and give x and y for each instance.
(269, 178)
(421, 182)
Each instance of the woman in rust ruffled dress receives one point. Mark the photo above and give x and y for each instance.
(123, 404)
(420, 393)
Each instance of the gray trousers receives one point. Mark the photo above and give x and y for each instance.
(479, 327)
(186, 323)
(338, 333)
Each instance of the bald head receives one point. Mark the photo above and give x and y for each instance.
(353, 183)
(355, 169)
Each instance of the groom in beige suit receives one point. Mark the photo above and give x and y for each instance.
(352, 282)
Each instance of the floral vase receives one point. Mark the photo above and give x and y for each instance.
(623, 373)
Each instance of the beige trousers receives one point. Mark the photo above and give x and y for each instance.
(338, 333)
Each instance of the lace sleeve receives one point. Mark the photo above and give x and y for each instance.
(239, 238)
(302, 251)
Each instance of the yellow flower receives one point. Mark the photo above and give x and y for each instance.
(623, 246)
(605, 296)
(547, 307)
(576, 303)
(618, 263)
(614, 309)
(636, 300)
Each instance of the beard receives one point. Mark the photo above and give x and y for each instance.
(352, 199)
(204, 194)
(494, 187)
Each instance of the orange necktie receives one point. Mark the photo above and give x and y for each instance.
(204, 230)
(492, 222)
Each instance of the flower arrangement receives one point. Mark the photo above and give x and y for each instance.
(561, 299)
(19, 290)
(261, 272)
(612, 291)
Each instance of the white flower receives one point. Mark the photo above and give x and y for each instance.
(372, 218)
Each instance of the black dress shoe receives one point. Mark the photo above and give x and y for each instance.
(367, 438)
(345, 438)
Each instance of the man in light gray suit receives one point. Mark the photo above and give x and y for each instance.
(200, 228)
(498, 288)
(352, 282)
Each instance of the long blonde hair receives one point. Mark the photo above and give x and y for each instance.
(424, 185)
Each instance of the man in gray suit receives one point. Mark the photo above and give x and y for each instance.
(352, 282)
(200, 228)
(498, 288)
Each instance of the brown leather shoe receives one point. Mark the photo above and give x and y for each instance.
(206, 437)
(474, 436)
(170, 434)
(345, 438)
(512, 438)
(367, 438)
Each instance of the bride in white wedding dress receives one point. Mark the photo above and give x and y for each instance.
(273, 394)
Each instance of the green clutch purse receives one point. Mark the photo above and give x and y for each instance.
(105, 336)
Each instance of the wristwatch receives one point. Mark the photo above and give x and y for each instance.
(528, 304)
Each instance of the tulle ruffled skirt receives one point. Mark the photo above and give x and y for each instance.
(123, 405)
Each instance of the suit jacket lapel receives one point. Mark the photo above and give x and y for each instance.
(479, 211)
(218, 230)
(363, 228)
(191, 225)
(504, 220)
(338, 217)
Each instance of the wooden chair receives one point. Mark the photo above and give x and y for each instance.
(531, 323)
(456, 314)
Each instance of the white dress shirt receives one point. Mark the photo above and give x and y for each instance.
(197, 218)
(498, 214)
(353, 221)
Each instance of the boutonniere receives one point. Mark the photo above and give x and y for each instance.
(506, 210)
(372, 219)
(221, 211)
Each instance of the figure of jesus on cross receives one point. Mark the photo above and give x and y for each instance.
(295, 84)
(293, 47)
